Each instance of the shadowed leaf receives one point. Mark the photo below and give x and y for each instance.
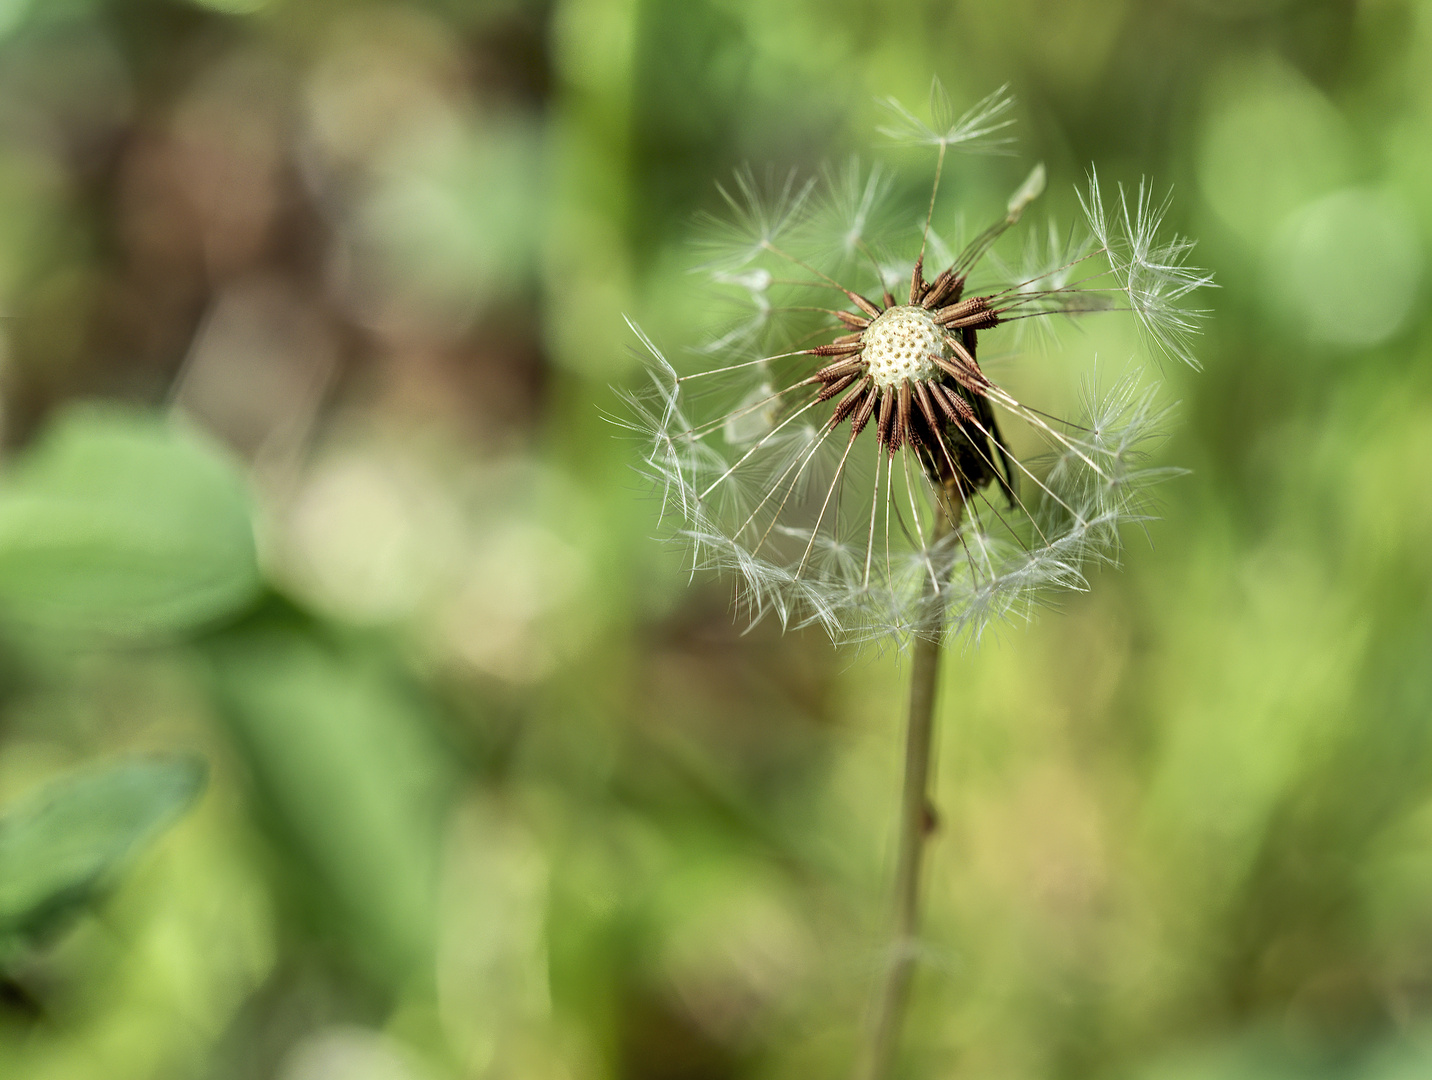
(61, 846)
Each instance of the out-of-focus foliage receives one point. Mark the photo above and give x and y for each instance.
(311, 312)
(59, 847)
(122, 526)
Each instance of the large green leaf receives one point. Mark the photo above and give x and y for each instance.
(121, 523)
(348, 772)
(60, 846)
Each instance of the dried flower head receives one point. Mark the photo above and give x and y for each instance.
(844, 454)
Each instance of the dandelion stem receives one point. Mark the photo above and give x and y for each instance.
(917, 823)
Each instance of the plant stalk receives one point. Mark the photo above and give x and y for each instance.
(917, 823)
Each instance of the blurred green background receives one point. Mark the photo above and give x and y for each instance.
(493, 791)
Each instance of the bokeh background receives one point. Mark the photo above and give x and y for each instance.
(494, 790)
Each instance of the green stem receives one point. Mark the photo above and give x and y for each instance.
(917, 823)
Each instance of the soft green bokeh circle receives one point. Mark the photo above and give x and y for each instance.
(1270, 142)
(1346, 268)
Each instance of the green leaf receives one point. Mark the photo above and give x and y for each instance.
(344, 760)
(61, 846)
(125, 524)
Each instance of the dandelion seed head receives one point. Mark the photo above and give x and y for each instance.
(857, 477)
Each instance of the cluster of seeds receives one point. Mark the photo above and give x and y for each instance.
(912, 366)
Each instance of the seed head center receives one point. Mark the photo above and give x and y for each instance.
(901, 346)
